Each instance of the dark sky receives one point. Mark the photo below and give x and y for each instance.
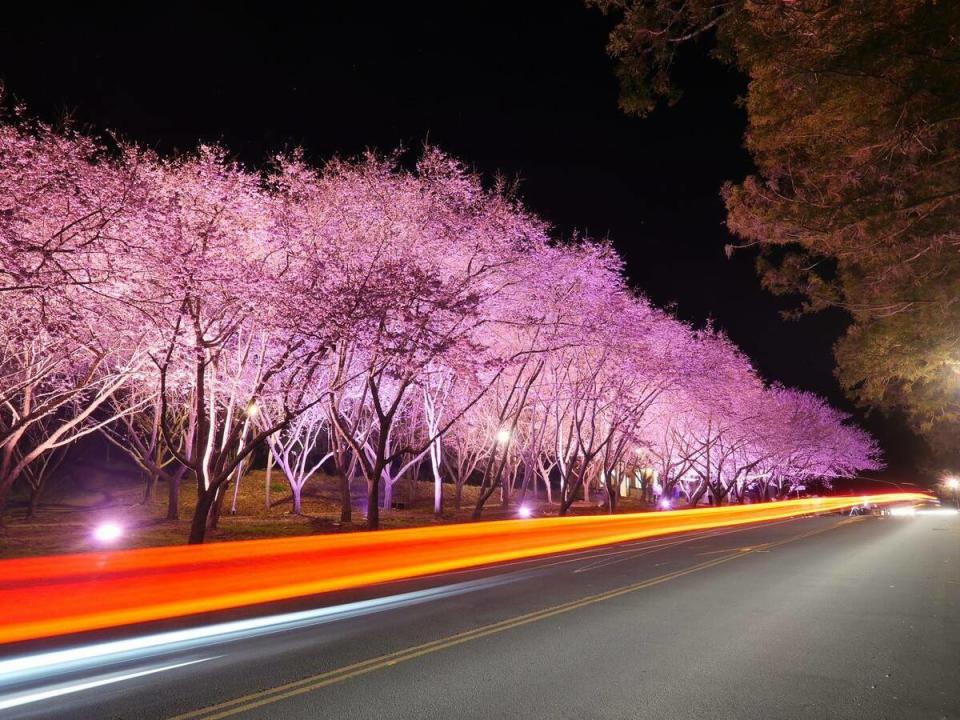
(521, 88)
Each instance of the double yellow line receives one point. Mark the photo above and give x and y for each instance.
(332, 677)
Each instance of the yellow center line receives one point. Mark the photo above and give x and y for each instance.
(331, 677)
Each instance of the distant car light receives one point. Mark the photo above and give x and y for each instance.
(665, 504)
(903, 511)
(524, 511)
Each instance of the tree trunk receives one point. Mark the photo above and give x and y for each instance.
(148, 490)
(612, 497)
(198, 525)
(373, 497)
(697, 494)
(345, 499)
(387, 496)
(267, 477)
(486, 492)
(34, 501)
(173, 497)
(236, 492)
(217, 508)
(569, 490)
(3, 502)
(5, 485)
(525, 484)
(412, 490)
(437, 492)
(295, 489)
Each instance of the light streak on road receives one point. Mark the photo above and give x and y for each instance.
(46, 693)
(42, 666)
(58, 595)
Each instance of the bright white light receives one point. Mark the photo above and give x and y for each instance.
(25, 698)
(503, 436)
(903, 511)
(524, 511)
(253, 409)
(952, 483)
(31, 668)
(107, 532)
(665, 504)
(937, 511)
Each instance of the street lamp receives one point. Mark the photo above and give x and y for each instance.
(503, 436)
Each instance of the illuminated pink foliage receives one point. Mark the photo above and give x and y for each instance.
(386, 321)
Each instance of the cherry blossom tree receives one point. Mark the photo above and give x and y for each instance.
(430, 256)
(299, 449)
(383, 319)
(67, 348)
(224, 294)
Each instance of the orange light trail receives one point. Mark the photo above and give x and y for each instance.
(56, 595)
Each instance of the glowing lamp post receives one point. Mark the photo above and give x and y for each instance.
(503, 436)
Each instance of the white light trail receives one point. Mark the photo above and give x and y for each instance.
(32, 696)
(42, 665)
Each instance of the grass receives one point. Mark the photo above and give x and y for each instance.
(71, 509)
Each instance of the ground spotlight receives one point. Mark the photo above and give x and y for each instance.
(108, 532)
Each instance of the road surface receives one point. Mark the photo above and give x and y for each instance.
(823, 617)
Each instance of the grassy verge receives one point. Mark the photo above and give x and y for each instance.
(65, 519)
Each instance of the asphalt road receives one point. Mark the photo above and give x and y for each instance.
(823, 617)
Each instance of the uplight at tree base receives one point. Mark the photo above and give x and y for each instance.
(108, 532)
(123, 587)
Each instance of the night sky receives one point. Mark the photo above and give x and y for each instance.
(520, 88)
